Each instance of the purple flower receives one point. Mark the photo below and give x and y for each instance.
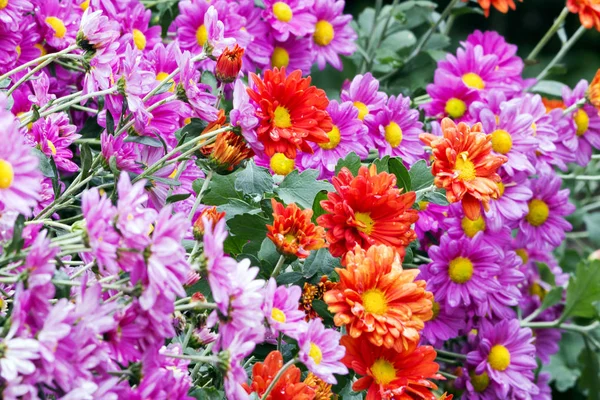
(243, 116)
(97, 30)
(217, 42)
(194, 26)
(12, 13)
(511, 205)
(532, 253)
(102, 68)
(17, 356)
(321, 352)
(450, 97)
(41, 86)
(136, 29)
(124, 152)
(430, 222)
(290, 18)
(543, 383)
(59, 23)
(133, 220)
(348, 135)
(293, 53)
(281, 308)
(9, 41)
(475, 69)
(333, 34)
(198, 95)
(53, 136)
(364, 92)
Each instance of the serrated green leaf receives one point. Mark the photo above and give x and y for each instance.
(352, 162)
(237, 207)
(553, 297)
(145, 140)
(382, 164)
(251, 227)
(288, 278)
(397, 168)
(319, 262)
(221, 189)
(302, 188)
(589, 381)
(254, 180)
(207, 394)
(177, 197)
(438, 196)
(583, 291)
(268, 256)
(420, 175)
(564, 366)
(399, 40)
(44, 164)
(320, 308)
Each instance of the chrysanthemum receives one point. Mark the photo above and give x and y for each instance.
(289, 18)
(588, 10)
(137, 30)
(500, 5)
(96, 31)
(389, 374)
(198, 95)
(229, 64)
(366, 210)
(333, 34)
(378, 300)
(430, 222)
(17, 357)
(450, 97)
(464, 166)
(281, 308)
(364, 92)
(258, 52)
(476, 70)
(594, 91)
(507, 355)
(291, 112)
(545, 222)
(311, 292)
(511, 204)
(59, 23)
(348, 135)
(53, 136)
(293, 232)
(445, 324)
(12, 13)
(294, 53)
(395, 130)
(228, 151)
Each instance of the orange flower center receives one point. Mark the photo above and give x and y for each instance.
(499, 358)
(324, 33)
(393, 134)
(471, 227)
(282, 118)
(139, 39)
(435, 308)
(281, 165)
(501, 141)
(473, 81)
(374, 302)
(464, 167)
(334, 139)
(315, 353)
(201, 35)
(460, 270)
(538, 212)
(523, 254)
(582, 121)
(282, 11)
(479, 382)
(455, 108)
(58, 26)
(6, 174)
(367, 222)
(363, 110)
(278, 315)
(280, 58)
(383, 371)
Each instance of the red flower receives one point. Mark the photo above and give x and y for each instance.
(500, 5)
(291, 112)
(366, 210)
(589, 12)
(212, 215)
(594, 94)
(229, 64)
(552, 104)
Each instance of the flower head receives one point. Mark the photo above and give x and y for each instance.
(584, 134)
(289, 17)
(281, 308)
(293, 53)
(333, 35)
(364, 93)
(229, 64)
(594, 91)
(588, 10)
(207, 214)
(450, 97)
(500, 5)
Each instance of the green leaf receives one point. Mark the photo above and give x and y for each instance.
(553, 297)
(382, 164)
(237, 207)
(438, 196)
(551, 88)
(589, 381)
(166, 181)
(4, 83)
(302, 188)
(209, 393)
(564, 365)
(321, 308)
(397, 168)
(191, 130)
(17, 241)
(250, 227)
(420, 176)
(110, 123)
(352, 162)
(592, 223)
(177, 197)
(317, 209)
(583, 291)
(221, 189)
(254, 180)
(348, 394)
(288, 278)
(86, 160)
(44, 164)
(319, 262)
(399, 40)
(145, 140)
(437, 41)
(209, 79)
(268, 257)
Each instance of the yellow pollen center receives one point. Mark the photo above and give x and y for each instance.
(393, 134)
(18, 50)
(173, 174)
(374, 301)
(473, 80)
(280, 58)
(500, 189)
(84, 6)
(52, 147)
(278, 315)
(472, 227)
(538, 212)
(460, 270)
(334, 139)
(534, 127)
(435, 309)
(501, 141)
(523, 254)
(537, 290)
(499, 357)
(423, 205)
(58, 26)
(455, 108)
(363, 110)
(282, 118)
(383, 371)
(582, 121)
(139, 39)
(289, 238)
(41, 48)
(324, 33)
(282, 11)
(3, 4)
(201, 35)
(281, 165)
(315, 353)
(161, 76)
(366, 220)
(479, 382)
(464, 167)
(6, 174)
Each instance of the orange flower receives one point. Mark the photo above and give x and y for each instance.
(229, 64)
(311, 293)
(552, 104)
(212, 215)
(594, 93)
(589, 12)
(388, 374)
(500, 5)
(378, 300)
(293, 232)
(464, 166)
(229, 150)
(366, 210)
(291, 112)
(322, 388)
(288, 387)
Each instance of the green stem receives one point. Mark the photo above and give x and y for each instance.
(197, 359)
(27, 76)
(38, 60)
(279, 374)
(278, 267)
(200, 195)
(553, 29)
(578, 104)
(430, 32)
(196, 306)
(581, 177)
(385, 28)
(451, 354)
(188, 335)
(378, 6)
(564, 50)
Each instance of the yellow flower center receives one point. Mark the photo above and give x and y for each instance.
(173, 174)
(150, 230)
(455, 108)
(479, 382)
(52, 147)
(278, 315)
(537, 290)
(582, 121)
(139, 39)
(161, 76)
(523, 254)
(334, 139)
(538, 212)
(499, 358)
(6, 174)
(366, 220)
(289, 238)
(84, 6)
(435, 309)
(187, 121)
(423, 205)
(41, 48)
(460, 270)
(3, 4)
(58, 26)
(315, 353)
(324, 33)
(280, 58)
(393, 134)
(501, 141)
(374, 301)
(534, 127)
(500, 189)
(282, 11)
(281, 165)
(473, 80)
(201, 35)
(18, 50)
(471, 227)
(363, 110)
(282, 117)
(464, 167)
(383, 371)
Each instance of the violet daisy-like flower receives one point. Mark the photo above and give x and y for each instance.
(198, 95)
(461, 272)
(102, 67)
(41, 88)
(243, 116)
(28, 48)
(430, 222)
(218, 265)
(364, 93)
(17, 356)
(544, 222)
(321, 352)
(133, 220)
(124, 152)
(217, 42)
(476, 70)
(348, 135)
(59, 22)
(96, 30)
(281, 308)
(333, 34)
(257, 54)
(12, 13)
(450, 97)
(511, 204)
(9, 40)
(532, 253)
(294, 53)
(53, 135)
(395, 130)
(445, 324)
(507, 355)
(137, 30)
(290, 18)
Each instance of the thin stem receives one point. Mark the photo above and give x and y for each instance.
(277, 269)
(385, 28)
(577, 235)
(578, 104)
(551, 32)
(107, 286)
(451, 354)
(564, 50)
(430, 32)
(197, 359)
(200, 195)
(188, 335)
(82, 270)
(196, 306)
(581, 177)
(27, 76)
(447, 375)
(533, 315)
(378, 6)
(279, 374)
(38, 60)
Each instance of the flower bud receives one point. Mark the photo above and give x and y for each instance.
(229, 64)
(209, 213)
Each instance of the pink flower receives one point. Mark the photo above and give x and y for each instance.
(281, 308)
(290, 18)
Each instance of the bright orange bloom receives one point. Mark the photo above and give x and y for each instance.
(588, 10)
(500, 5)
(291, 112)
(322, 388)
(377, 300)
(229, 150)
(464, 165)
(289, 385)
(594, 94)
(311, 293)
(293, 232)
(388, 374)
(552, 104)
(212, 215)
(229, 64)
(366, 210)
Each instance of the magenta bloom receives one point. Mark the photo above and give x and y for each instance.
(333, 34)
(124, 152)
(257, 55)
(243, 116)
(281, 308)
(218, 265)
(197, 94)
(321, 352)
(364, 92)
(445, 324)
(348, 135)
(59, 22)
(41, 88)
(450, 97)
(9, 41)
(293, 53)
(17, 357)
(97, 30)
(133, 220)
(511, 206)
(475, 69)
(137, 30)
(430, 222)
(507, 354)
(102, 68)
(290, 18)
(544, 222)
(12, 13)
(53, 136)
